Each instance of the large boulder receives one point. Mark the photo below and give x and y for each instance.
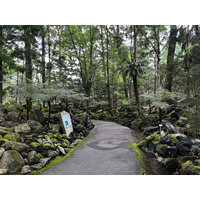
(14, 116)
(162, 149)
(36, 115)
(4, 131)
(57, 128)
(22, 128)
(32, 123)
(13, 137)
(20, 147)
(12, 161)
(2, 150)
(170, 128)
(33, 157)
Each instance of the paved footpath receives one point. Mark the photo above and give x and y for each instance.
(104, 153)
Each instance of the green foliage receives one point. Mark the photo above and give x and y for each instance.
(165, 95)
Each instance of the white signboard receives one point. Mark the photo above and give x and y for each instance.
(66, 122)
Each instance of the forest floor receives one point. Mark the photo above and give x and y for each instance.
(107, 152)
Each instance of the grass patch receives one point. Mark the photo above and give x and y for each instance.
(140, 156)
(61, 158)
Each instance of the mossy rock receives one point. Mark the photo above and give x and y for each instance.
(57, 128)
(39, 140)
(162, 149)
(195, 168)
(152, 137)
(143, 143)
(50, 135)
(38, 155)
(22, 128)
(33, 123)
(34, 144)
(149, 129)
(12, 161)
(197, 162)
(17, 146)
(3, 140)
(4, 131)
(37, 129)
(174, 140)
(36, 115)
(46, 146)
(66, 141)
(64, 136)
(13, 137)
(9, 137)
(186, 164)
(64, 145)
(54, 140)
(58, 136)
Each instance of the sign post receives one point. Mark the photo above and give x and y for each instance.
(66, 122)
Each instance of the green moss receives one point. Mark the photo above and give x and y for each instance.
(34, 144)
(66, 141)
(64, 136)
(155, 142)
(152, 137)
(9, 137)
(143, 143)
(54, 140)
(50, 134)
(194, 168)
(185, 164)
(38, 155)
(161, 149)
(139, 156)
(37, 129)
(46, 145)
(3, 140)
(39, 140)
(174, 140)
(64, 145)
(61, 158)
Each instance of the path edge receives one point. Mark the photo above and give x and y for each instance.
(61, 158)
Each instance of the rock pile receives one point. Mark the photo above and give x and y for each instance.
(29, 146)
(174, 149)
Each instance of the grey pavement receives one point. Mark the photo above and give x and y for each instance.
(104, 153)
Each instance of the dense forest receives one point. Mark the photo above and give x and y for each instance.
(119, 65)
(103, 70)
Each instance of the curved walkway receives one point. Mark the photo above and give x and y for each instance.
(104, 153)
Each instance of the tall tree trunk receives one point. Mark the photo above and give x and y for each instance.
(158, 61)
(187, 64)
(170, 57)
(155, 76)
(43, 59)
(158, 71)
(17, 92)
(28, 63)
(125, 85)
(135, 76)
(60, 66)
(103, 56)
(49, 55)
(108, 75)
(1, 64)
